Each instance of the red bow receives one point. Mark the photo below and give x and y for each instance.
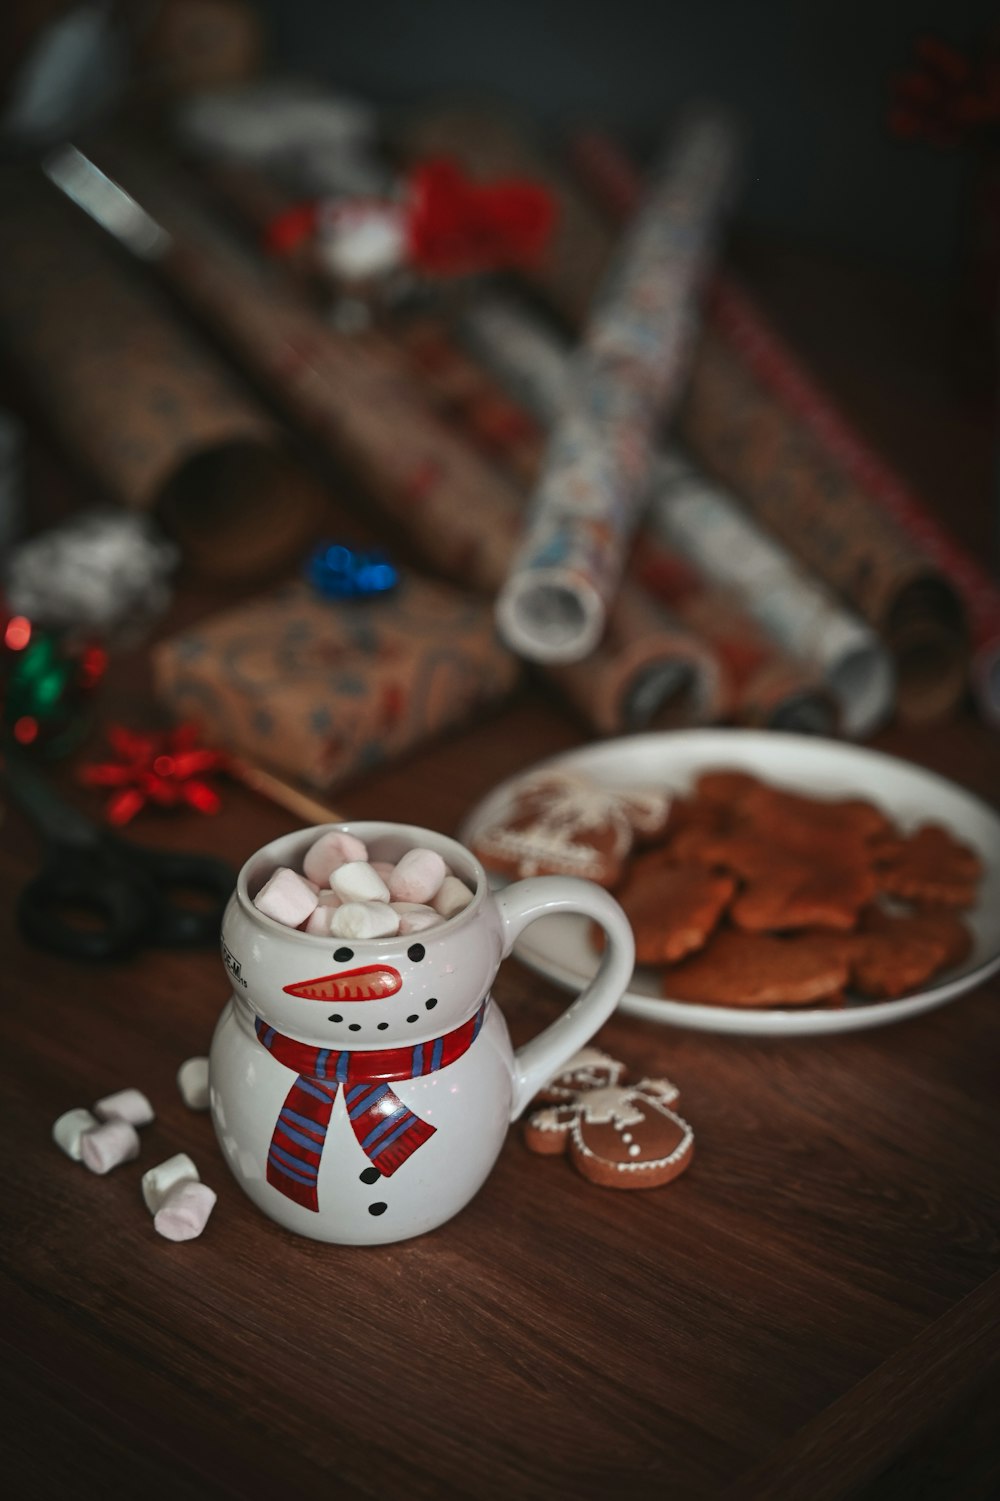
(165, 768)
(457, 227)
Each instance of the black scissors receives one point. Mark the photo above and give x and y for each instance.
(121, 895)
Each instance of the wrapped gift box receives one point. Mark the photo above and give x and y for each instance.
(321, 688)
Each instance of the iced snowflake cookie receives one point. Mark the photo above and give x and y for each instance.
(564, 823)
(618, 1135)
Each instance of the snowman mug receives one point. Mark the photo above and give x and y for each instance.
(361, 1090)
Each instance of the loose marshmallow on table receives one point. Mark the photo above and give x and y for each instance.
(358, 882)
(184, 1212)
(106, 1146)
(414, 917)
(192, 1081)
(454, 896)
(127, 1105)
(329, 851)
(68, 1131)
(364, 920)
(286, 897)
(417, 876)
(159, 1181)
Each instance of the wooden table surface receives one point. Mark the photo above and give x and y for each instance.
(812, 1310)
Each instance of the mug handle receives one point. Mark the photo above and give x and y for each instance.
(539, 896)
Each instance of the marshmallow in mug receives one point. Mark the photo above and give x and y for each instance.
(341, 893)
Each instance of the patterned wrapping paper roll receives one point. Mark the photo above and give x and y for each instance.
(138, 400)
(357, 396)
(708, 527)
(747, 437)
(811, 479)
(759, 679)
(629, 373)
(739, 320)
(764, 686)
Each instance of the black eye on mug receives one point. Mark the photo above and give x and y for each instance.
(342, 955)
(415, 952)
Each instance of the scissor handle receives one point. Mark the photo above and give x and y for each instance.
(173, 924)
(76, 883)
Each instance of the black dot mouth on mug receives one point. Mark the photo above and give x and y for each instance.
(336, 1017)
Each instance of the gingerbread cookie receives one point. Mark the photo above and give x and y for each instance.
(930, 865)
(621, 1136)
(759, 969)
(564, 823)
(789, 894)
(672, 908)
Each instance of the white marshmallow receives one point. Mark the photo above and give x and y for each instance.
(162, 1179)
(357, 881)
(184, 1212)
(414, 917)
(329, 851)
(364, 920)
(106, 1146)
(127, 1105)
(286, 897)
(68, 1130)
(418, 876)
(192, 1081)
(454, 896)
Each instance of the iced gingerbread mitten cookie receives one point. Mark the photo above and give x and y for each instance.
(618, 1136)
(563, 823)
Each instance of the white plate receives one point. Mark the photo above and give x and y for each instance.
(558, 946)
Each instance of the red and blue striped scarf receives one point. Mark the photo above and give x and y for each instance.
(386, 1130)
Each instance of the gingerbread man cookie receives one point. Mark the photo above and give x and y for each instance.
(618, 1135)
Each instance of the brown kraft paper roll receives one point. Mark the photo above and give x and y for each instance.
(135, 397)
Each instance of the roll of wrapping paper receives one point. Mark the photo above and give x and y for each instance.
(764, 426)
(706, 526)
(357, 397)
(761, 678)
(629, 374)
(137, 399)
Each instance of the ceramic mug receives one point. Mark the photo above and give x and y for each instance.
(361, 1090)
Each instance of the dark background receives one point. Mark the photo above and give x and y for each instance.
(809, 77)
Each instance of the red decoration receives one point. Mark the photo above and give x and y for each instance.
(949, 97)
(458, 227)
(166, 768)
(454, 226)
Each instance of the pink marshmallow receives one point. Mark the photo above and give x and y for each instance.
(286, 897)
(108, 1145)
(184, 1212)
(329, 851)
(384, 868)
(417, 876)
(414, 917)
(454, 896)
